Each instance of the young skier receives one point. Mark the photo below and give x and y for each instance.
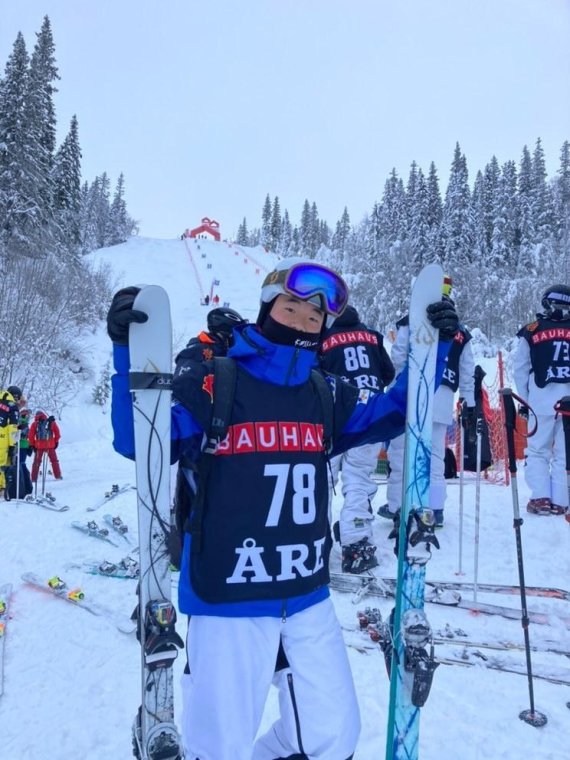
(254, 576)
(356, 353)
(542, 376)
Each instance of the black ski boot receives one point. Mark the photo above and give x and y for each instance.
(359, 557)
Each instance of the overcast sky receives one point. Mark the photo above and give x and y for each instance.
(207, 106)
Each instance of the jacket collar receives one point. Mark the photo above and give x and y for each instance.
(280, 365)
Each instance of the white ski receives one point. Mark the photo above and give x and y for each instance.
(119, 527)
(115, 491)
(46, 502)
(92, 529)
(155, 736)
(76, 596)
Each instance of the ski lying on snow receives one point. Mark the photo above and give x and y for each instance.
(115, 491)
(385, 587)
(5, 594)
(470, 656)
(119, 527)
(77, 596)
(46, 502)
(478, 659)
(128, 567)
(547, 647)
(92, 529)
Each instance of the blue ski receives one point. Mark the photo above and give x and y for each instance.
(411, 667)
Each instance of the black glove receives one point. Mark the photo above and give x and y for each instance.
(31, 450)
(523, 411)
(56, 444)
(443, 317)
(121, 314)
(11, 450)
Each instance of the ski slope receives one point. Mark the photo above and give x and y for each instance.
(71, 680)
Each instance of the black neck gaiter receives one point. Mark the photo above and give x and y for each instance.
(287, 336)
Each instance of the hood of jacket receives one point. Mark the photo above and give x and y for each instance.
(40, 416)
(277, 364)
(7, 397)
(348, 320)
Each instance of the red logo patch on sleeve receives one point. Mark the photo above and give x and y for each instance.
(208, 386)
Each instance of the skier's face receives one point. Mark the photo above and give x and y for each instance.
(299, 315)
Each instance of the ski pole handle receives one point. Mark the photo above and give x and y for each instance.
(510, 417)
(562, 407)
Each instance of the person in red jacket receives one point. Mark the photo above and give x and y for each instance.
(44, 438)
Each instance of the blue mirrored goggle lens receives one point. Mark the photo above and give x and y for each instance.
(307, 280)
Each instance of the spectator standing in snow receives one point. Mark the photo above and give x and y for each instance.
(255, 584)
(25, 449)
(8, 429)
(457, 376)
(44, 439)
(356, 353)
(542, 376)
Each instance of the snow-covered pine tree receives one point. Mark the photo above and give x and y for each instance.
(275, 225)
(265, 238)
(67, 188)
(457, 230)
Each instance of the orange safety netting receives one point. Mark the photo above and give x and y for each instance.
(498, 472)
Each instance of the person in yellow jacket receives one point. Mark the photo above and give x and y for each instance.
(8, 428)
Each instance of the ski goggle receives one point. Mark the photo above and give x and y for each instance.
(307, 280)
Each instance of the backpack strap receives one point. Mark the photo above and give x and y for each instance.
(225, 374)
(224, 391)
(327, 405)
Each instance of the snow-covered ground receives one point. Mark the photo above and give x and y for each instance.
(71, 683)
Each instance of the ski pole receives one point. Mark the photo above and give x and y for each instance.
(478, 432)
(18, 465)
(461, 433)
(562, 407)
(44, 470)
(531, 716)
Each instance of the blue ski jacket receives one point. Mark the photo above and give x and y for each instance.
(361, 416)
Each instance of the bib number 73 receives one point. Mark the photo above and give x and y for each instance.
(303, 501)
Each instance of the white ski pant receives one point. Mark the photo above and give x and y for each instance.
(358, 489)
(545, 471)
(232, 665)
(437, 488)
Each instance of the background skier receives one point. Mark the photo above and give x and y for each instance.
(458, 375)
(44, 439)
(356, 353)
(541, 368)
(254, 575)
(8, 430)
